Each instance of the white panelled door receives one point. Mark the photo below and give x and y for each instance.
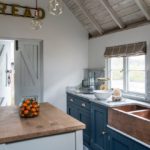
(28, 70)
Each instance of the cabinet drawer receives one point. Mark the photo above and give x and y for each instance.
(84, 104)
(71, 99)
(79, 101)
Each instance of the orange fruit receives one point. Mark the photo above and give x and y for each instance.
(35, 102)
(35, 113)
(25, 105)
(33, 105)
(33, 110)
(26, 112)
(27, 101)
(36, 106)
(22, 108)
(28, 108)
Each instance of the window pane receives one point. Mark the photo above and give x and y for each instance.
(117, 63)
(117, 73)
(137, 62)
(136, 74)
(136, 81)
(117, 79)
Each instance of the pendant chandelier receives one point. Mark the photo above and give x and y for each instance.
(36, 22)
(55, 7)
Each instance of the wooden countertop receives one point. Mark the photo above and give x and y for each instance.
(51, 121)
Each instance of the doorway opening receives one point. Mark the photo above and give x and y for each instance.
(21, 70)
(7, 72)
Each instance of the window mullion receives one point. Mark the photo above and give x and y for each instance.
(108, 71)
(125, 66)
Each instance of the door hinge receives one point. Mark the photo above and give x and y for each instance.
(17, 47)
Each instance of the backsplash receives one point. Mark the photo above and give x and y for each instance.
(91, 75)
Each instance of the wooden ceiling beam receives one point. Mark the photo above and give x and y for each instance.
(90, 18)
(113, 14)
(144, 8)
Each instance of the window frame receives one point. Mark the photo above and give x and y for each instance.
(126, 92)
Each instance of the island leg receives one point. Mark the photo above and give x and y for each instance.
(79, 140)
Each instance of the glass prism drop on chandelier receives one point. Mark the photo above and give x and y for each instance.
(55, 7)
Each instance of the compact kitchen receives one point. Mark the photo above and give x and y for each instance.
(75, 74)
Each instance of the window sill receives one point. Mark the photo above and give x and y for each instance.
(135, 97)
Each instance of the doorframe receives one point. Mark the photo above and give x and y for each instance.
(41, 57)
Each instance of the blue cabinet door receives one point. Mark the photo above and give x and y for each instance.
(85, 117)
(76, 109)
(99, 123)
(138, 146)
(118, 141)
(72, 110)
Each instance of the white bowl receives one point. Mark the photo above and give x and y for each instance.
(102, 94)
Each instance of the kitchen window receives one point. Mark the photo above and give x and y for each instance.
(127, 73)
(126, 68)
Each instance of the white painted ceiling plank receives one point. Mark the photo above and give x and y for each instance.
(113, 14)
(145, 10)
(90, 18)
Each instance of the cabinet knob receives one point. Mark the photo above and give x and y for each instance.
(71, 100)
(83, 105)
(103, 132)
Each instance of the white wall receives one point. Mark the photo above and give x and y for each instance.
(97, 46)
(65, 48)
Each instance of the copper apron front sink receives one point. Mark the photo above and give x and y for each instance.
(129, 108)
(143, 114)
(133, 120)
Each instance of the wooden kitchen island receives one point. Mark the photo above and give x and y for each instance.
(51, 130)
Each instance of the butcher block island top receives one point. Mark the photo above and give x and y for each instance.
(51, 121)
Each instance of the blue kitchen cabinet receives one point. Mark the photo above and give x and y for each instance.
(118, 141)
(99, 127)
(72, 110)
(138, 146)
(85, 117)
(97, 136)
(79, 108)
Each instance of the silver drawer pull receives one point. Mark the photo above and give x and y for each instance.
(103, 132)
(83, 105)
(71, 100)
